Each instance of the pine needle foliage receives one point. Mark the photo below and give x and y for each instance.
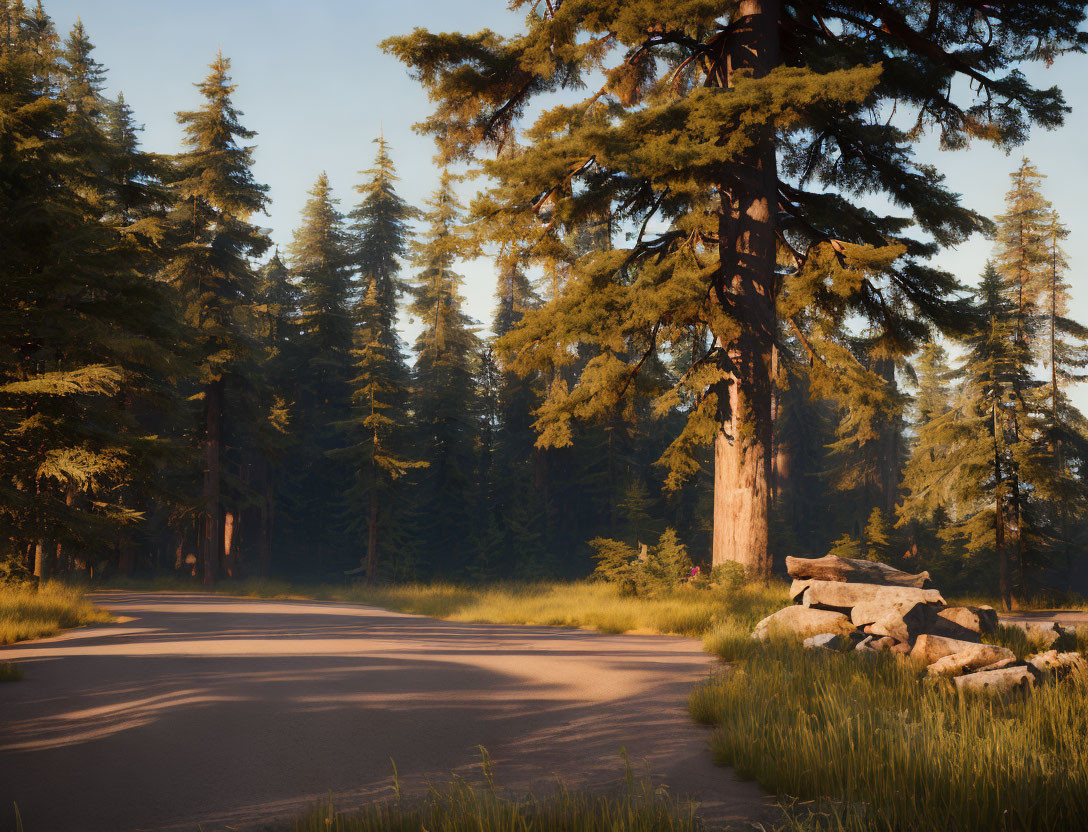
(445, 398)
(729, 148)
(210, 269)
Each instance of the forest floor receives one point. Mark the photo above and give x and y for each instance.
(223, 711)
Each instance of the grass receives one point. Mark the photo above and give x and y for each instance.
(461, 807)
(37, 612)
(894, 754)
(687, 611)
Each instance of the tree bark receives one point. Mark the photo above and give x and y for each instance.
(229, 557)
(746, 287)
(999, 522)
(39, 561)
(213, 402)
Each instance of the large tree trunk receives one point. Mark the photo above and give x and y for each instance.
(213, 402)
(746, 286)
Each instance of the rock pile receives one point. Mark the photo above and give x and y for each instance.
(845, 604)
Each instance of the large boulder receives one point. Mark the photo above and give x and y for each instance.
(835, 595)
(902, 620)
(929, 648)
(851, 570)
(1005, 681)
(975, 657)
(802, 622)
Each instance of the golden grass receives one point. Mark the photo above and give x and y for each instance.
(863, 735)
(28, 612)
(686, 611)
(635, 806)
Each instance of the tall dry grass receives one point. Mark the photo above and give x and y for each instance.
(895, 754)
(29, 612)
(461, 807)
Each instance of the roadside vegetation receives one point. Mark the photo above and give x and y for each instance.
(883, 751)
(685, 609)
(637, 806)
(28, 611)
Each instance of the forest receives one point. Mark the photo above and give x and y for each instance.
(177, 396)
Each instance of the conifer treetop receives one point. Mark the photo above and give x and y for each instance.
(661, 150)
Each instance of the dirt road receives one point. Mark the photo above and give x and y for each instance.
(230, 712)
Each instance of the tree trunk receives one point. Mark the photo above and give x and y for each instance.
(889, 461)
(746, 287)
(213, 401)
(40, 568)
(229, 558)
(372, 539)
(1003, 583)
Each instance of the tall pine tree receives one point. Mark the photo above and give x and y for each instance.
(445, 400)
(211, 270)
(731, 138)
(378, 429)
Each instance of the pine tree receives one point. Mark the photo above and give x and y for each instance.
(84, 327)
(517, 494)
(276, 306)
(445, 400)
(320, 267)
(1060, 488)
(731, 139)
(381, 233)
(965, 457)
(211, 271)
(378, 428)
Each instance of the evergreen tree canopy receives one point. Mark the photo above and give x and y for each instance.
(379, 424)
(733, 142)
(84, 327)
(210, 269)
(445, 400)
(319, 263)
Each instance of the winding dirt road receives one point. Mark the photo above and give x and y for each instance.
(230, 713)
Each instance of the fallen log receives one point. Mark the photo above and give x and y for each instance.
(852, 570)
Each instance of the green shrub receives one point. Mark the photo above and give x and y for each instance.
(654, 570)
(731, 576)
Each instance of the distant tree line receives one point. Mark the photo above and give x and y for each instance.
(175, 395)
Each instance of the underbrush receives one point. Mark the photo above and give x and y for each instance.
(686, 610)
(27, 611)
(893, 753)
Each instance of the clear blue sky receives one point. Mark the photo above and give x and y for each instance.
(314, 85)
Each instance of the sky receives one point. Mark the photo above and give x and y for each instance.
(317, 89)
